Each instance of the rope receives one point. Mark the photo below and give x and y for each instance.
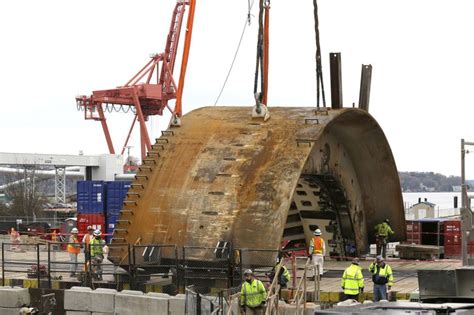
(319, 70)
(247, 21)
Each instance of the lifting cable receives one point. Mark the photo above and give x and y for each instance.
(247, 21)
(319, 67)
(260, 66)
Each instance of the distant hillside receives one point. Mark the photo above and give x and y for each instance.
(427, 181)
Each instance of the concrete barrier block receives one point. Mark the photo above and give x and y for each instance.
(177, 304)
(95, 313)
(290, 309)
(77, 313)
(160, 295)
(131, 292)
(133, 304)
(103, 301)
(9, 311)
(14, 297)
(77, 299)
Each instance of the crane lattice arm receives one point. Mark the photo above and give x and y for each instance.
(142, 94)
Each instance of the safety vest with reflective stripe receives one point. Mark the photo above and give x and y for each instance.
(383, 229)
(73, 247)
(286, 274)
(352, 280)
(253, 294)
(381, 275)
(317, 245)
(96, 247)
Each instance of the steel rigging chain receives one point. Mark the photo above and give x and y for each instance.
(319, 67)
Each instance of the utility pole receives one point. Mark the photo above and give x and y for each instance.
(466, 213)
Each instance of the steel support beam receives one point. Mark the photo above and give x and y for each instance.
(336, 80)
(365, 82)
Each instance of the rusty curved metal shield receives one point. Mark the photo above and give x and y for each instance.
(223, 176)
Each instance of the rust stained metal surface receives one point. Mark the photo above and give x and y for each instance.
(225, 176)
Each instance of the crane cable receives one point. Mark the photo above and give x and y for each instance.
(247, 21)
(259, 67)
(319, 67)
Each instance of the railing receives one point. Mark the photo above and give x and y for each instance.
(301, 290)
(160, 260)
(199, 304)
(135, 265)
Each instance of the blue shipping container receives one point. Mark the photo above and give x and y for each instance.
(90, 197)
(116, 194)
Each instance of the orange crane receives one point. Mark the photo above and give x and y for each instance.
(143, 95)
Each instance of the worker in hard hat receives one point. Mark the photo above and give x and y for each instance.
(86, 240)
(382, 276)
(352, 282)
(73, 248)
(253, 295)
(97, 254)
(317, 250)
(382, 232)
(283, 275)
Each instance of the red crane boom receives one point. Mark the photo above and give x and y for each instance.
(144, 97)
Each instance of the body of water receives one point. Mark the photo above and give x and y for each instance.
(444, 201)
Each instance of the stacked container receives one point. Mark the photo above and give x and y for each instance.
(90, 197)
(116, 194)
(99, 204)
(90, 205)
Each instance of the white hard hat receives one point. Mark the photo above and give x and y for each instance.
(248, 272)
(317, 232)
(97, 233)
(74, 231)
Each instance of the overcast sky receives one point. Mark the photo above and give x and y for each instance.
(421, 52)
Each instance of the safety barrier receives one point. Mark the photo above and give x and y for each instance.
(134, 265)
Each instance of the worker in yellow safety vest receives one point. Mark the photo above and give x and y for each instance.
(382, 276)
(97, 245)
(317, 251)
(283, 275)
(73, 248)
(383, 231)
(352, 282)
(253, 295)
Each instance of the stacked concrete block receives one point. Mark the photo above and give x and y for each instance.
(290, 309)
(103, 301)
(12, 299)
(177, 304)
(78, 299)
(135, 302)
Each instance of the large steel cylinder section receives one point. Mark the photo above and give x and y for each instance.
(225, 177)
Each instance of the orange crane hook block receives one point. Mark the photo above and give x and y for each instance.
(142, 94)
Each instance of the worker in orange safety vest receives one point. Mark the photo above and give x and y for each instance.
(73, 248)
(86, 240)
(317, 250)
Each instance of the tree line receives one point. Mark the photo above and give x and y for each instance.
(428, 181)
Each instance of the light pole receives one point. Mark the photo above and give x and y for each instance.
(466, 213)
